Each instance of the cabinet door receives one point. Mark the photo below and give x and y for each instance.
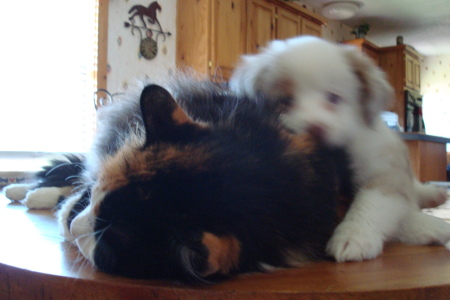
(227, 35)
(193, 31)
(261, 24)
(311, 28)
(409, 71)
(288, 24)
(416, 74)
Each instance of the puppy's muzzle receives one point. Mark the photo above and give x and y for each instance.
(317, 131)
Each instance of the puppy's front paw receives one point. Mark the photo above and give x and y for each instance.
(441, 196)
(432, 196)
(351, 243)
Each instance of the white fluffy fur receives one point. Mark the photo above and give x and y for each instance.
(337, 93)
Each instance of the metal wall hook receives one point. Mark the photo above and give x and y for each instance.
(109, 99)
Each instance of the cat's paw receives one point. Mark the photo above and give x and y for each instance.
(351, 243)
(17, 192)
(43, 198)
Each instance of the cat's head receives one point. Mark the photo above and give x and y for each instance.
(145, 215)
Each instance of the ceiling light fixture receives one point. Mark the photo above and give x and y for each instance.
(340, 10)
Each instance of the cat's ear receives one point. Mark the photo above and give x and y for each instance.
(160, 113)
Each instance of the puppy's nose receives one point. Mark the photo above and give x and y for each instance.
(316, 130)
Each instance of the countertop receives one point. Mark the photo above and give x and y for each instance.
(416, 136)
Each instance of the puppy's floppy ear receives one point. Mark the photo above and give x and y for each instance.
(376, 94)
(161, 114)
(258, 74)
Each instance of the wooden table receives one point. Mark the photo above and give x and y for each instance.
(35, 263)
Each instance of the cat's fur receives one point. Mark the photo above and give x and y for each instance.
(213, 189)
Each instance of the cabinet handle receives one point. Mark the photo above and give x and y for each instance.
(232, 5)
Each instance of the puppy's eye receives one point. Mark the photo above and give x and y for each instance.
(286, 102)
(334, 99)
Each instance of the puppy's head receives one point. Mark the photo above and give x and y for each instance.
(328, 89)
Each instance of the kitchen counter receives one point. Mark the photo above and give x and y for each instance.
(416, 136)
(428, 155)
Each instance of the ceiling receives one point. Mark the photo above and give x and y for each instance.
(424, 24)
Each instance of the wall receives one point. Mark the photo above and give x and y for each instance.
(124, 61)
(435, 85)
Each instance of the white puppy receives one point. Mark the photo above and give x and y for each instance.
(337, 93)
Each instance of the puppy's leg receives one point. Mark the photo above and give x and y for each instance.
(372, 219)
(422, 229)
(430, 195)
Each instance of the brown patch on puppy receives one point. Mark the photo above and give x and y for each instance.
(283, 91)
(364, 95)
(375, 93)
(223, 255)
(285, 86)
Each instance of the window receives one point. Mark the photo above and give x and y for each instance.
(48, 70)
(436, 114)
(435, 84)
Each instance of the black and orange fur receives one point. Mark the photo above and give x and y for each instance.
(208, 185)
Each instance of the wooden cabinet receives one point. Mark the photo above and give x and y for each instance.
(268, 20)
(213, 34)
(210, 35)
(402, 66)
(260, 24)
(227, 34)
(366, 47)
(428, 156)
(311, 28)
(412, 72)
(288, 24)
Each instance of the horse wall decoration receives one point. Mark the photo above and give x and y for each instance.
(148, 47)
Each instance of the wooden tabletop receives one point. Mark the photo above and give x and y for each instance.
(35, 263)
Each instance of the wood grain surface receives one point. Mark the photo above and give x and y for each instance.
(36, 263)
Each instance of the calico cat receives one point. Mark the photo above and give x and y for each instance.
(197, 188)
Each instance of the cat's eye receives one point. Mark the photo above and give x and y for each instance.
(334, 98)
